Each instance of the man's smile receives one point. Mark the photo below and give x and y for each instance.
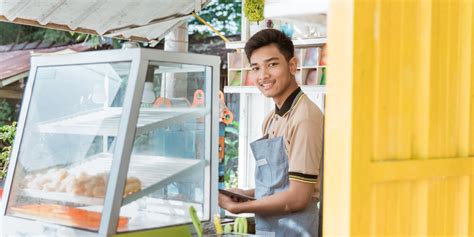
(266, 85)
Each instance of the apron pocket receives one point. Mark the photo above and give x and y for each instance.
(263, 173)
(271, 175)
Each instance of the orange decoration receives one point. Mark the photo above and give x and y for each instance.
(159, 102)
(198, 98)
(65, 215)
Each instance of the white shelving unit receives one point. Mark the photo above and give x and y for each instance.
(298, 43)
(308, 12)
(254, 90)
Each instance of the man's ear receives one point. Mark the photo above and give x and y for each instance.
(293, 63)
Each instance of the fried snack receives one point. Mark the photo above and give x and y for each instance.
(81, 184)
(133, 185)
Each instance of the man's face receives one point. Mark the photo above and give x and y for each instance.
(271, 73)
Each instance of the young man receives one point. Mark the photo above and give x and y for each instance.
(287, 157)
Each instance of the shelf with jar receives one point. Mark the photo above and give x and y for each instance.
(311, 69)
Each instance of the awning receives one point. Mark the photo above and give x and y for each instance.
(142, 20)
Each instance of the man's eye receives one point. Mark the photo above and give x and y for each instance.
(254, 68)
(272, 64)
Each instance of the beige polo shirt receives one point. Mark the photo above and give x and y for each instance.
(300, 122)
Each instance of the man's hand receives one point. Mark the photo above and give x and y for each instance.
(233, 204)
(227, 203)
(294, 199)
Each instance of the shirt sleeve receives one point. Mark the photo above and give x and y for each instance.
(305, 150)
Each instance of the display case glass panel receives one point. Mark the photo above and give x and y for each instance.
(171, 147)
(72, 120)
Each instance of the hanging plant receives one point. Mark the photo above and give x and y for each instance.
(253, 10)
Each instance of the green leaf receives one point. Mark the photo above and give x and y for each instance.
(7, 135)
(232, 130)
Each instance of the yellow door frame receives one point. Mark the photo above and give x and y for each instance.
(399, 151)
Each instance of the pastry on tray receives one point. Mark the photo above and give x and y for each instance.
(81, 184)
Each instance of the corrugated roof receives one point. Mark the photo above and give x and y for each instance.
(129, 19)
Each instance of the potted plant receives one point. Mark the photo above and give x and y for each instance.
(253, 10)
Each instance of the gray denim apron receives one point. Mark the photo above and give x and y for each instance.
(271, 176)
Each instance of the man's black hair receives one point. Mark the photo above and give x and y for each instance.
(267, 37)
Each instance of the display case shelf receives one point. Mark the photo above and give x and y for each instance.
(105, 121)
(153, 172)
(63, 197)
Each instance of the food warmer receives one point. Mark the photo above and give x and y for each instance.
(115, 142)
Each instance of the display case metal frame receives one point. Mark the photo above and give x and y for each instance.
(139, 59)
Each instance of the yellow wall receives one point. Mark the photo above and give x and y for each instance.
(399, 155)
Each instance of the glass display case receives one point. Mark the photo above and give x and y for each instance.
(114, 142)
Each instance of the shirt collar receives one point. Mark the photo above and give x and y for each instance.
(288, 103)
